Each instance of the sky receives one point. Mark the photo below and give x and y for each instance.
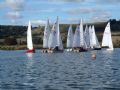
(19, 12)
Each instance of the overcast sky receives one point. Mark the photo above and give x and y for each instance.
(69, 11)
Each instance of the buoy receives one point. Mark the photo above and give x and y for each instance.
(94, 56)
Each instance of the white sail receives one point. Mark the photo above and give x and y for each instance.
(76, 40)
(95, 42)
(70, 37)
(29, 37)
(59, 40)
(87, 36)
(82, 40)
(81, 34)
(90, 33)
(55, 37)
(52, 41)
(107, 40)
(46, 35)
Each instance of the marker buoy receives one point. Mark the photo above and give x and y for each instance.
(94, 56)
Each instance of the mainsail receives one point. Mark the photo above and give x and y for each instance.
(95, 42)
(87, 36)
(82, 40)
(90, 33)
(107, 40)
(76, 40)
(55, 37)
(59, 40)
(46, 35)
(52, 38)
(29, 37)
(70, 37)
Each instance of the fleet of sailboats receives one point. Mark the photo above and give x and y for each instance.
(81, 40)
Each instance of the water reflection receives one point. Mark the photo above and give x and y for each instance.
(30, 60)
(30, 70)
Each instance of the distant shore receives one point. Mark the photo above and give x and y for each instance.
(24, 47)
(17, 47)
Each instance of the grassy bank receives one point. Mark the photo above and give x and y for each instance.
(17, 47)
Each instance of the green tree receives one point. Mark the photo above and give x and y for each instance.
(10, 41)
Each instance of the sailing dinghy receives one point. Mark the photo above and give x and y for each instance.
(95, 43)
(83, 45)
(46, 36)
(29, 40)
(70, 39)
(107, 39)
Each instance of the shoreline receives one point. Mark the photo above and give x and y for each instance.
(22, 47)
(17, 47)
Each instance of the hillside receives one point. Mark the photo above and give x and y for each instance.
(19, 33)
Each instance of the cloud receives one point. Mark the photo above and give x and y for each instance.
(68, 0)
(34, 10)
(38, 22)
(16, 5)
(13, 15)
(2, 5)
(72, 20)
(101, 17)
(108, 1)
(84, 10)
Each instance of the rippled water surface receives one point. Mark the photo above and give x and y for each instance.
(60, 71)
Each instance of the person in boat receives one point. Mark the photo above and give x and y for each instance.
(56, 48)
(44, 50)
(50, 50)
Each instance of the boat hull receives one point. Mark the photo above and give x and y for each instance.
(69, 50)
(97, 49)
(30, 51)
(79, 49)
(55, 51)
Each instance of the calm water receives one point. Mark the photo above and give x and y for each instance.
(60, 71)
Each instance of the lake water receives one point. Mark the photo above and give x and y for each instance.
(60, 71)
